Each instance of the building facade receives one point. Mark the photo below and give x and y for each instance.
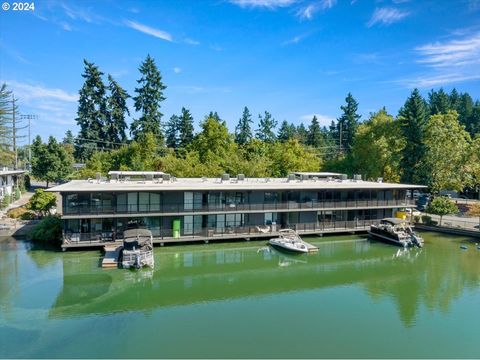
(96, 211)
(8, 180)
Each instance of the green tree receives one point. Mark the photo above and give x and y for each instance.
(266, 127)
(214, 142)
(6, 154)
(314, 135)
(243, 132)
(42, 202)
(413, 119)
(442, 206)
(347, 123)
(439, 102)
(68, 138)
(185, 128)
(171, 132)
(50, 161)
(147, 102)
(48, 231)
(117, 109)
(377, 148)
(92, 112)
(291, 156)
(286, 131)
(446, 151)
(302, 134)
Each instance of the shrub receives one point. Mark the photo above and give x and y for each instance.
(42, 202)
(28, 215)
(18, 194)
(27, 181)
(426, 219)
(48, 231)
(17, 212)
(416, 218)
(5, 201)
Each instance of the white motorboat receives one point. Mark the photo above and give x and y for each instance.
(396, 231)
(289, 240)
(137, 248)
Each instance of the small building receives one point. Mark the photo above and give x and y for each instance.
(9, 179)
(97, 211)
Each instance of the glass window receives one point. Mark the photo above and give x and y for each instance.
(122, 202)
(154, 202)
(108, 202)
(143, 201)
(132, 202)
(188, 225)
(188, 200)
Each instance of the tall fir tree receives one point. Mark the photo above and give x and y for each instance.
(302, 134)
(266, 127)
(92, 112)
(465, 110)
(147, 102)
(171, 132)
(348, 123)
(117, 109)
(68, 139)
(413, 117)
(454, 100)
(185, 129)
(314, 137)
(438, 102)
(6, 135)
(243, 131)
(286, 131)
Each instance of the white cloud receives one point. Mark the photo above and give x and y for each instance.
(387, 16)
(269, 4)
(149, 30)
(324, 120)
(177, 70)
(294, 40)
(308, 11)
(29, 91)
(452, 61)
(191, 41)
(451, 53)
(66, 26)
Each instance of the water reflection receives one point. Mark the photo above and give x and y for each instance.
(432, 277)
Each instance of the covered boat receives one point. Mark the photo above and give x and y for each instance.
(289, 240)
(395, 231)
(137, 248)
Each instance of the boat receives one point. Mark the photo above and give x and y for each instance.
(289, 240)
(137, 249)
(396, 231)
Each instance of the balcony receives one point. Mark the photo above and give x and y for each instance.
(183, 208)
(206, 234)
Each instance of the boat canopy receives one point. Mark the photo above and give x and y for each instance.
(137, 233)
(393, 221)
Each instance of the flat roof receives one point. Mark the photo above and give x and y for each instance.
(319, 174)
(136, 173)
(11, 172)
(212, 184)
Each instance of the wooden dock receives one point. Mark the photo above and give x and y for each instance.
(311, 248)
(112, 254)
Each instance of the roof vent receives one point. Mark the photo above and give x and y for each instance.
(343, 177)
(204, 179)
(166, 177)
(357, 177)
(149, 177)
(114, 177)
(98, 177)
(241, 177)
(379, 180)
(291, 177)
(225, 177)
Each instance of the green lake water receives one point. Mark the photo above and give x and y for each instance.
(354, 298)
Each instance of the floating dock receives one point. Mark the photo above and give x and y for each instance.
(311, 248)
(112, 254)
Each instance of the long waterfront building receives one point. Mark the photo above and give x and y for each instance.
(97, 211)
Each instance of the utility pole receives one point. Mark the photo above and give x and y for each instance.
(29, 117)
(14, 133)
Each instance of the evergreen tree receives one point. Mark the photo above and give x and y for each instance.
(6, 136)
(314, 137)
(474, 120)
(348, 123)
(286, 131)
(147, 102)
(171, 132)
(68, 139)
(302, 134)
(454, 100)
(185, 129)
(438, 102)
(465, 110)
(266, 126)
(243, 132)
(214, 116)
(92, 112)
(117, 108)
(413, 119)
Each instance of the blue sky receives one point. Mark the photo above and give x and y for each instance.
(293, 58)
